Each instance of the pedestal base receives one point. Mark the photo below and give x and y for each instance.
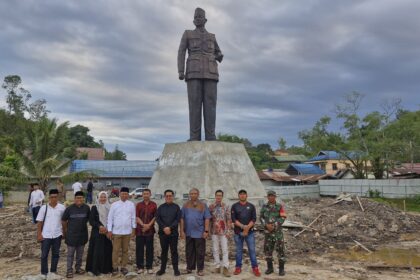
(207, 166)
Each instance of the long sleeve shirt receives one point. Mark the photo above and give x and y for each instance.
(122, 217)
(37, 197)
(168, 215)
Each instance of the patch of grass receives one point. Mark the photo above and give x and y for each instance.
(411, 204)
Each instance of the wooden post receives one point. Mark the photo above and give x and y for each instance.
(360, 203)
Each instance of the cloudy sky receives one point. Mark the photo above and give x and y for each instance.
(111, 65)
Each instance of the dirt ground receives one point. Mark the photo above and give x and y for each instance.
(326, 251)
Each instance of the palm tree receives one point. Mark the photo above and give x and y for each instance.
(45, 155)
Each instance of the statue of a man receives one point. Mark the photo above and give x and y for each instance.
(201, 76)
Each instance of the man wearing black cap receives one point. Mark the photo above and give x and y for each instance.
(121, 227)
(244, 216)
(75, 231)
(50, 232)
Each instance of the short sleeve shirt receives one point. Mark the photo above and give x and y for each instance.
(52, 227)
(194, 215)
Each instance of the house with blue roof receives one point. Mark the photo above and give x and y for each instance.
(117, 173)
(332, 162)
(303, 169)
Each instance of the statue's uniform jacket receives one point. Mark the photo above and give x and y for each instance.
(203, 51)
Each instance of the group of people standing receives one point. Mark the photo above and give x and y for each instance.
(114, 225)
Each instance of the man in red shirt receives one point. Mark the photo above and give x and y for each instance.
(145, 216)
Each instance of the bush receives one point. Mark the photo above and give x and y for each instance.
(374, 193)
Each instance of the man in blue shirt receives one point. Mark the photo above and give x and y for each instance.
(195, 223)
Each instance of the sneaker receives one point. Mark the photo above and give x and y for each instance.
(217, 270)
(226, 272)
(200, 273)
(140, 271)
(237, 271)
(150, 271)
(256, 271)
(80, 271)
(124, 271)
(114, 271)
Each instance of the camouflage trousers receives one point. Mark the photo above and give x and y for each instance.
(274, 241)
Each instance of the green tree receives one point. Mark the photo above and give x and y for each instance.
(79, 137)
(320, 138)
(17, 97)
(117, 154)
(44, 156)
(234, 139)
(282, 143)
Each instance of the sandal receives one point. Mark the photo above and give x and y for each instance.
(80, 271)
(69, 275)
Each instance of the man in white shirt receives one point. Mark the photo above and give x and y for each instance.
(121, 227)
(50, 232)
(37, 197)
(77, 187)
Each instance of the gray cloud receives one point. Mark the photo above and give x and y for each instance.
(112, 65)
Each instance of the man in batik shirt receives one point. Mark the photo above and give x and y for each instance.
(220, 225)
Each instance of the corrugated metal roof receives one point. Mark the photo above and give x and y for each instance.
(264, 175)
(116, 168)
(328, 155)
(304, 169)
(407, 168)
(325, 155)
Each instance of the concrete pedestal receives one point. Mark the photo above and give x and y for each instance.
(207, 166)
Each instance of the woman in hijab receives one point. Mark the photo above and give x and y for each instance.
(99, 258)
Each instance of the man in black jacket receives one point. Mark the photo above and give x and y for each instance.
(168, 217)
(75, 232)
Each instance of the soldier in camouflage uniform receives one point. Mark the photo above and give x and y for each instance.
(272, 217)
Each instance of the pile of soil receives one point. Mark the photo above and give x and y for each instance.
(342, 223)
(377, 225)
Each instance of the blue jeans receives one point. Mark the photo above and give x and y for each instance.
(250, 242)
(46, 245)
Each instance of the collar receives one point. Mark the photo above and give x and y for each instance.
(201, 30)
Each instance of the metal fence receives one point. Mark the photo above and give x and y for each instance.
(289, 192)
(389, 188)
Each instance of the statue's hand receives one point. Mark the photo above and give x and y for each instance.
(181, 76)
(219, 57)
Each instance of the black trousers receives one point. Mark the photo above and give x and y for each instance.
(195, 250)
(141, 242)
(47, 244)
(202, 99)
(167, 242)
(35, 211)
